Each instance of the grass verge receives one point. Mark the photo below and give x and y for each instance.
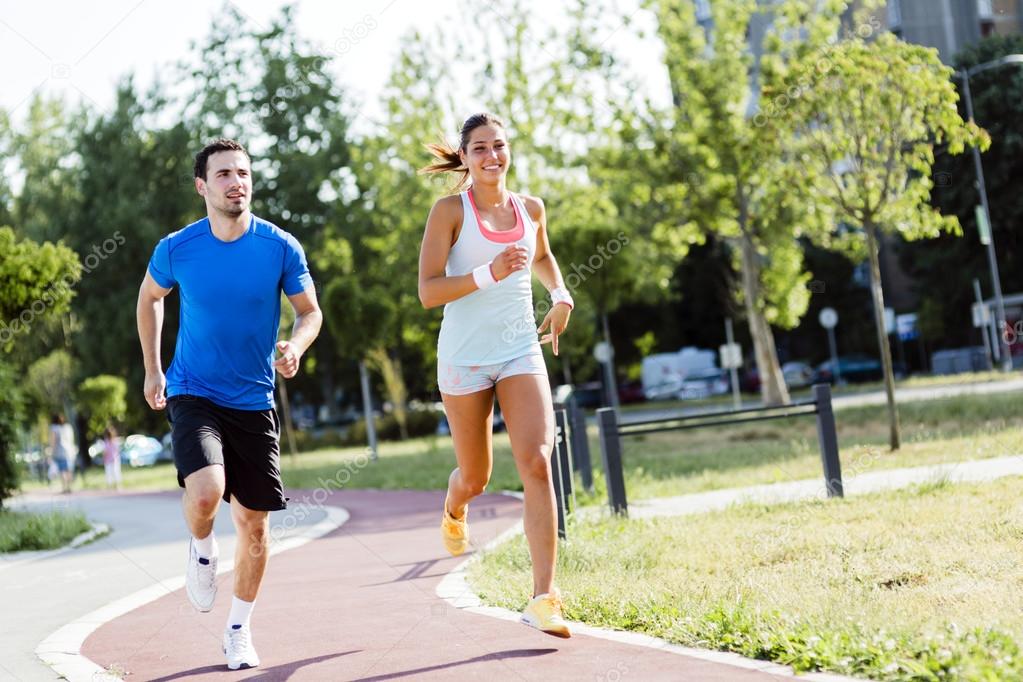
(922, 584)
(27, 531)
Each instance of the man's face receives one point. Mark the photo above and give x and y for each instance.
(228, 184)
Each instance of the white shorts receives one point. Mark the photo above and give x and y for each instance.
(465, 379)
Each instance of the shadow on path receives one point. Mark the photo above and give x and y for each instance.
(500, 655)
(278, 672)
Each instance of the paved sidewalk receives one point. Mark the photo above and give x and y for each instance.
(361, 604)
(875, 481)
(42, 591)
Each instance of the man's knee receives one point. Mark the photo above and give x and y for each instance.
(205, 488)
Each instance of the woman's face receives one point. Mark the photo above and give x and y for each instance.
(487, 155)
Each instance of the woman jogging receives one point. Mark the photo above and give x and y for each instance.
(478, 251)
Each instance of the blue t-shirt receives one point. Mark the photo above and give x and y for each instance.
(230, 309)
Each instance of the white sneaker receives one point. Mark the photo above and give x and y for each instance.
(238, 647)
(200, 579)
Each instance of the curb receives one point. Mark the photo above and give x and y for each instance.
(61, 651)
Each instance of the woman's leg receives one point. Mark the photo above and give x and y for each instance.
(471, 420)
(526, 405)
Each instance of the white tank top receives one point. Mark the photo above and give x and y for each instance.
(496, 324)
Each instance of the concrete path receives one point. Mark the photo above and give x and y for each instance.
(875, 481)
(42, 591)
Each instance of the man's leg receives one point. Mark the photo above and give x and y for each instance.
(203, 491)
(252, 553)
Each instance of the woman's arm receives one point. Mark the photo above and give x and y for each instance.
(549, 274)
(436, 288)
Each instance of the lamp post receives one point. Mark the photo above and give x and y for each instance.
(996, 284)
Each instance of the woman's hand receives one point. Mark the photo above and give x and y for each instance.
(556, 321)
(512, 259)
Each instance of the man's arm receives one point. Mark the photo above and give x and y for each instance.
(308, 319)
(149, 317)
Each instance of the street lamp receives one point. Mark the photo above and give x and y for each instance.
(964, 75)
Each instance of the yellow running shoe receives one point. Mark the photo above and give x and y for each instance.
(454, 532)
(544, 612)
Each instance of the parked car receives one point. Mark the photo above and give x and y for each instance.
(704, 383)
(852, 368)
(140, 451)
(631, 392)
(797, 374)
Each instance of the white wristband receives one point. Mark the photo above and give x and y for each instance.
(562, 295)
(483, 276)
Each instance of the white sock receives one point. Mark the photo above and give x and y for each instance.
(240, 613)
(207, 546)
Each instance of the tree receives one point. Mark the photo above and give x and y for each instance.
(720, 165)
(943, 268)
(36, 283)
(102, 399)
(50, 384)
(867, 119)
(10, 415)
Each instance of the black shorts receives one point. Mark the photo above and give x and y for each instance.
(245, 442)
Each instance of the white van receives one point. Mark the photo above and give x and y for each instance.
(662, 374)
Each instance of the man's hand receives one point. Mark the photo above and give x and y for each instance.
(556, 321)
(287, 364)
(155, 389)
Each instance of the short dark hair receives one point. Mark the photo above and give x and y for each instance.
(219, 145)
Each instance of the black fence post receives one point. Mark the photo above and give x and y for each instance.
(560, 468)
(828, 437)
(565, 457)
(580, 444)
(611, 452)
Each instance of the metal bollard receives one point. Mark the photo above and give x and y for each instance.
(580, 444)
(559, 465)
(828, 437)
(611, 452)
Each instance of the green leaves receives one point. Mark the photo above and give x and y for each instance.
(865, 129)
(102, 399)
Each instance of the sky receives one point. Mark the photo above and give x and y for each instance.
(81, 50)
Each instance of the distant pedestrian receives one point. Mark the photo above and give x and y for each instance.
(478, 255)
(63, 449)
(112, 458)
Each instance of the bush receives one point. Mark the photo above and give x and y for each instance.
(420, 423)
(10, 408)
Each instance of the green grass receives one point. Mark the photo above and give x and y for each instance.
(922, 584)
(675, 463)
(23, 531)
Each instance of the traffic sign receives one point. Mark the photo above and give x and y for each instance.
(828, 318)
(731, 356)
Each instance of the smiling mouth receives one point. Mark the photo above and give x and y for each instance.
(496, 167)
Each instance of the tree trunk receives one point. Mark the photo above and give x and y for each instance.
(773, 390)
(882, 337)
(282, 390)
(394, 383)
(367, 409)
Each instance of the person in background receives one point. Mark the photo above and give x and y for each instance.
(63, 449)
(112, 458)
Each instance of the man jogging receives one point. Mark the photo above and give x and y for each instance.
(229, 268)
